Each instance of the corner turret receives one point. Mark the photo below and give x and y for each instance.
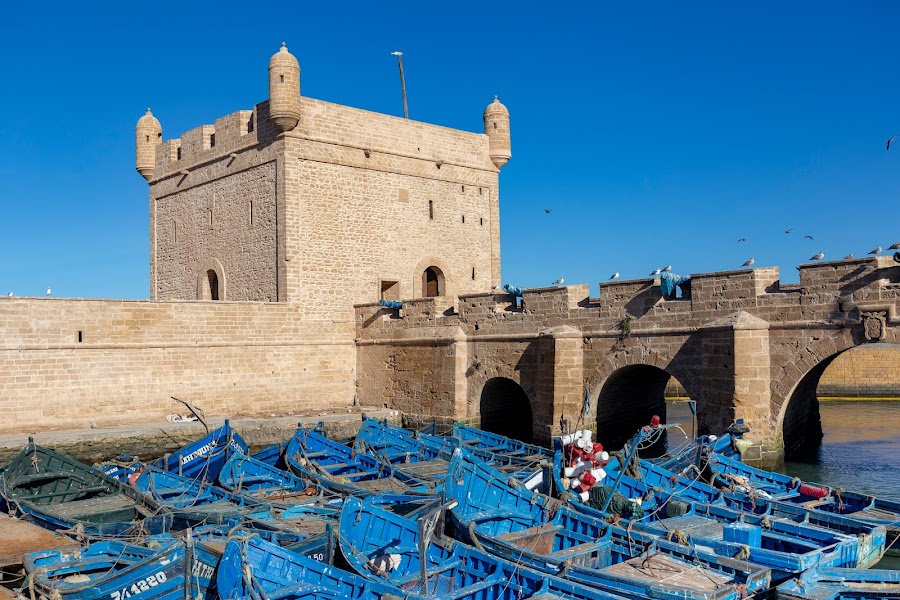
(284, 90)
(148, 135)
(496, 127)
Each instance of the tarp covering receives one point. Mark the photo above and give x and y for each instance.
(668, 281)
(392, 304)
(511, 289)
(619, 505)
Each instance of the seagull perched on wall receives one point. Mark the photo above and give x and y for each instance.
(49, 292)
(894, 246)
(559, 281)
(807, 237)
(614, 276)
(740, 239)
(496, 286)
(749, 263)
(876, 250)
(848, 257)
(655, 273)
(667, 268)
(818, 256)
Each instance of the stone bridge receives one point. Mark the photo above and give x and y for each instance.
(742, 344)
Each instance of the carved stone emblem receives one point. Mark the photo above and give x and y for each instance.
(873, 325)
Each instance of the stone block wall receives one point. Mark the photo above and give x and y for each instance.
(80, 363)
(869, 371)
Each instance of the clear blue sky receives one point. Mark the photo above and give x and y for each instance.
(657, 132)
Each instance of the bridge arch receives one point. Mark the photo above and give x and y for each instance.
(626, 396)
(506, 409)
(794, 384)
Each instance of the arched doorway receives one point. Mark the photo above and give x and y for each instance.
(505, 409)
(432, 282)
(630, 397)
(213, 281)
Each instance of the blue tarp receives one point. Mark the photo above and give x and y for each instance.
(392, 304)
(668, 281)
(511, 289)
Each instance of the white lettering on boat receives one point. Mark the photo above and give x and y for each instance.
(139, 587)
(201, 570)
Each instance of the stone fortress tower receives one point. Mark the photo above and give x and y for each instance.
(322, 206)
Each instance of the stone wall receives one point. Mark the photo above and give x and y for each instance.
(77, 363)
(866, 372)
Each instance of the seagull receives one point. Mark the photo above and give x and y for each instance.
(742, 239)
(848, 257)
(894, 246)
(559, 281)
(808, 237)
(396, 53)
(614, 275)
(818, 256)
(548, 210)
(10, 294)
(749, 262)
(496, 286)
(667, 268)
(891, 140)
(656, 272)
(876, 250)
(48, 292)
(789, 230)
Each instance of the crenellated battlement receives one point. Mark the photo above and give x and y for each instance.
(827, 291)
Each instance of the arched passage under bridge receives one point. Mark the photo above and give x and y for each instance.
(506, 409)
(628, 400)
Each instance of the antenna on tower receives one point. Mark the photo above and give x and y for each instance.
(399, 56)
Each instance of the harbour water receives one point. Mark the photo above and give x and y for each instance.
(860, 450)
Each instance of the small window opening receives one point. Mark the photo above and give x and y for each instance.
(178, 154)
(159, 136)
(80, 336)
(431, 210)
(464, 218)
(480, 191)
(282, 78)
(212, 140)
(251, 212)
(175, 231)
(431, 283)
(473, 273)
(495, 124)
(210, 218)
(390, 290)
(250, 125)
(463, 189)
(481, 221)
(148, 138)
(213, 284)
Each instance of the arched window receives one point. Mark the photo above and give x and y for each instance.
(432, 282)
(213, 284)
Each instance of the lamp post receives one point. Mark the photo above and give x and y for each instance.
(399, 56)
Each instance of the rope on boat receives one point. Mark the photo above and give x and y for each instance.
(743, 553)
(677, 536)
(474, 537)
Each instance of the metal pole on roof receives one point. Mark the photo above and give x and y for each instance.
(399, 56)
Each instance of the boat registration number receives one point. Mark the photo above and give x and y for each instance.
(140, 586)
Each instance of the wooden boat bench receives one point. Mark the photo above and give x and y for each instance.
(83, 510)
(45, 476)
(567, 553)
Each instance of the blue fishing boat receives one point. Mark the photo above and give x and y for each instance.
(387, 547)
(245, 475)
(59, 493)
(477, 439)
(427, 457)
(254, 568)
(190, 502)
(341, 469)
(115, 570)
(842, 584)
(540, 532)
(203, 459)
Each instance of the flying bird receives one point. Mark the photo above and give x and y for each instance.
(789, 230)
(808, 237)
(749, 262)
(559, 281)
(667, 268)
(655, 272)
(615, 275)
(891, 140)
(876, 250)
(818, 256)
(548, 210)
(894, 246)
(742, 239)
(48, 292)
(848, 257)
